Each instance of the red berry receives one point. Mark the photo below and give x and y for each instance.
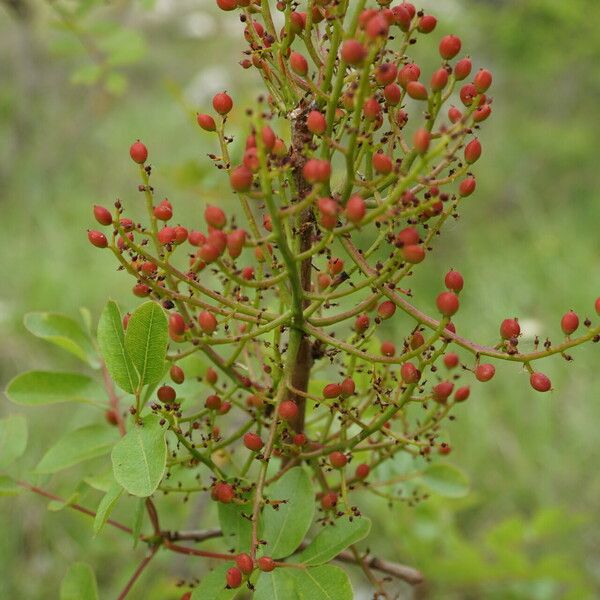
(163, 211)
(298, 64)
(166, 235)
(402, 17)
(467, 187)
(467, 94)
(371, 109)
(416, 340)
(299, 439)
(317, 170)
(408, 73)
(427, 24)
(268, 137)
(407, 237)
(235, 242)
(540, 382)
(233, 575)
(356, 209)
(224, 492)
(176, 325)
(413, 253)
(253, 442)
(197, 238)
(213, 402)
(410, 373)
(140, 290)
(386, 73)
(382, 163)
(329, 500)
(416, 90)
(451, 360)
(473, 151)
(442, 391)
(462, 69)
(323, 280)
(207, 322)
(454, 115)
(338, 460)
(454, 281)
(347, 387)
(447, 303)
(482, 113)
(138, 152)
(449, 47)
(569, 323)
(353, 52)
(332, 390)
(97, 238)
(227, 4)
(439, 80)
(166, 394)
(377, 27)
(186, 596)
(177, 374)
(462, 394)
(222, 103)
(510, 328)
(421, 140)
(392, 93)
(335, 265)
(265, 563)
(241, 178)
(215, 217)
(386, 309)
(102, 215)
(244, 563)
(288, 410)
(485, 372)
(206, 122)
(211, 376)
(362, 471)
(597, 305)
(483, 80)
(316, 122)
(361, 324)
(388, 349)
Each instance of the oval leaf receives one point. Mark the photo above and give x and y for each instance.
(140, 457)
(333, 539)
(64, 332)
(79, 583)
(286, 527)
(446, 480)
(13, 439)
(146, 341)
(106, 506)
(322, 583)
(49, 387)
(111, 340)
(212, 586)
(77, 446)
(236, 529)
(277, 585)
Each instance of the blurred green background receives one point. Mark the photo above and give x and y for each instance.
(80, 80)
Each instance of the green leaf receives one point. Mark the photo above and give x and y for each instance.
(76, 446)
(64, 332)
(212, 586)
(106, 506)
(123, 46)
(333, 539)
(140, 457)
(277, 585)
(13, 439)
(111, 340)
(87, 74)
(322, 583)
(116, 83)
(49, 387)
(237, 530)
(138, 520)
(79, 583)
(146, 341)
(286, 527)
(8, 487)
(446, 480)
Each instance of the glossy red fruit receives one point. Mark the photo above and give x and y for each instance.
(222, 103)
(177, 374)
(215, 217)
(597, 306)
(377, 26)
(227, 4)
(408, 236)
(362, 471)
(462, 394)
(206, 122)
(413, 254)
(421, 140)
(392, 94)
(244, 563)
(483, 80)
(102, 215)
(163, 211)
(356, 209)
(266, 564)
(241, 178)
(235, 242)
(253, 442)
(353, 52)
(409, 373)
(166, 394)
(138, 152)
(317, 170)
(213, 402)
(299, 439)
(207, 322)
(233, 576)
(449, 47)
(540, 382)
(454, 281)
(211, 376)
(427, 24)
(332, 390)
(451, 360)
(316, 122)
(338, 460)
(510, 328)
(371, 109)
(97, 238)
(140, 290)
(323, 281)
(473, 151)
(388, 349)
(181, 234)
(382, 163)
(484, 372)
(447, 303)
(468, 93)
(176, 325)
(298, 64)
(223, 492)
(462, 69)
(386, 309)
(569, 323)
(348, 387)
(416, 90)
(386, 73)
(454, 115)
(408, 73)
(362, 323)
(442, 391)
(288, 410)
(467, 187)
(335, 265)
(482, 113)
(439, 80)
(329, 500)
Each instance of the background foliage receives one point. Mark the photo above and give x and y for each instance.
(80, 80)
